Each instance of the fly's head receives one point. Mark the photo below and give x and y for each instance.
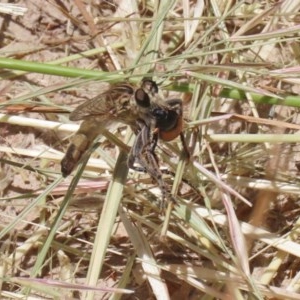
(163, 116)
(145, 95)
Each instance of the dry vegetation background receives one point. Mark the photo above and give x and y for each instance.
(57, 238)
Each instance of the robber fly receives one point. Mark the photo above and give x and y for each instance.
(150, 117)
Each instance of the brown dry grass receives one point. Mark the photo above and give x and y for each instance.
(216, 246)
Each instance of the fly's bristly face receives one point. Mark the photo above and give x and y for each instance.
(146, 94)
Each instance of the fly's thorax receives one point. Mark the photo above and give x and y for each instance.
(165, 119)
(168, 119)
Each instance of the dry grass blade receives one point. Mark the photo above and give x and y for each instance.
(106, 222)
(12, 9)
(48, 283)
(190, 26)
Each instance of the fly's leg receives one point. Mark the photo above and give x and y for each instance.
(138, 150)
(155, 172)
(185, 147)
(143, 153)
(189, 149)
(135, 154)
(135, 157)
(153, 143)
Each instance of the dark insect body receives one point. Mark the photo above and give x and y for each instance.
(150, 117)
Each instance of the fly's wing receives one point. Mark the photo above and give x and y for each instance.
(106, 106)
(114, 105)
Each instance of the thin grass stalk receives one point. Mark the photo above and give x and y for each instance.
(69, 58)
(253, 138)
(156, 32)
(232, 93)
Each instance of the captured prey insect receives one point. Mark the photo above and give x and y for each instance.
(150, 117)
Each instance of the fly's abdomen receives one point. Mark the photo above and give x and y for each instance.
(78, 146)
(80, 142)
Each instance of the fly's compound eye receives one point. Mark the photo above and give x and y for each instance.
(142, 99)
